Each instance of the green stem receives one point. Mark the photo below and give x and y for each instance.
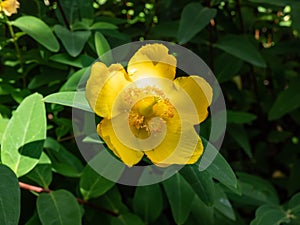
(19, 55)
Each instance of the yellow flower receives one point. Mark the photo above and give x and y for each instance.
(9, 7)
(146, 111)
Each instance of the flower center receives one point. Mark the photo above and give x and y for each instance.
(150, 111)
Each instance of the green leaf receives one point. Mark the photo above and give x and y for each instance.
(73, 81)
(73, 41)
(10, 199)
(221, 170)
(3, 124)
(239, 134)
(103, 26)
(273, 2)
(80, 61)
(92, 185)
(193, 19)
(269, 215)
(38, 30)
(112, 201)
(103, 48)
(294, 204)
(23, 139)
(63, 162)
(239, 117)
(287, 101)
(34, 220)
(93, 138)
(180, 196)
(225, 71)
(41, 174)
(73, 99)
(201, 182)
(202, 212)
(58, 208)
(255, 191)
(148, 203)
(222, 203)
(239, 46)
(127, 219)
(295, 14)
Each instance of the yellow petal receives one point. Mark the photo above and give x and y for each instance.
(181, 145)
(152, 60)
(199, 93)
(128, 156)
(10, 7)
(103, 87)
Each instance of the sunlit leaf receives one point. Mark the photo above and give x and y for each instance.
(23, 139)
(38, 30)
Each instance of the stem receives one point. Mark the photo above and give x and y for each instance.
(60, 8)
(37, 189)
(238, 5)
(19, 55)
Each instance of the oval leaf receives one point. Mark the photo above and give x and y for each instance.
(146, 199)
(193, 19)
(92, 185)
(22, 150)
(127, 219)
(103, 48)
(242, 48)
(72, 99)
(287, 101)
(73, 41)
(9, 197)
(38, 30)
(201, 182)
(221, 170)
(58, 208)
(180, 196)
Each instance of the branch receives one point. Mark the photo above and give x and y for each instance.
(79, 200)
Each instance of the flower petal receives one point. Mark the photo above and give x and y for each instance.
(152, 60)
(181, 145)
(103, 87)
(128, 156)
(10, 7)
(198, 91)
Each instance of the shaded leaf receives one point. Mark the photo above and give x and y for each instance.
(63, 162)
(148, 203)
(201, 182)
(10, 200)
(93, 185)
(222, 203)
(103, 26)
(241, 47)
(126, 219)
(180, 196)
(239, 134)
(193, 19)
(73, 41)
(287, 101)
(221, 170)
(239, 117)
(255, 191)
(58, 208)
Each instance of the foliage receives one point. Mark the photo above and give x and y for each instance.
(252, 46)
